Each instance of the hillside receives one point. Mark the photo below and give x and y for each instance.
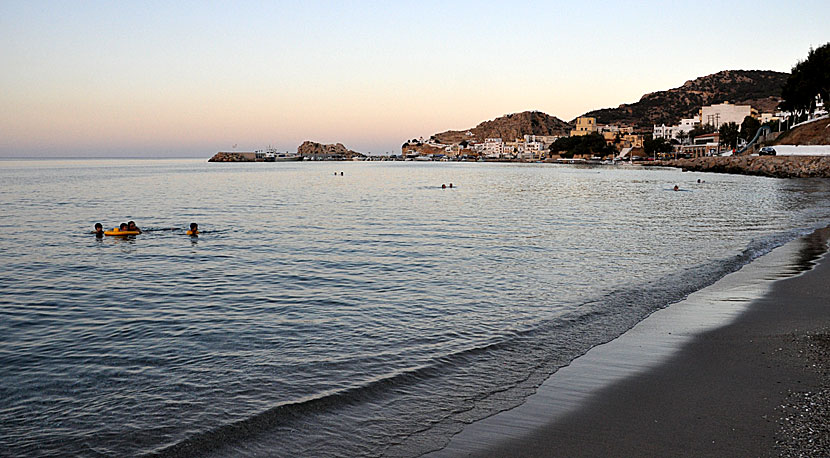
(509, 127)
(814, 133)
(759, 88)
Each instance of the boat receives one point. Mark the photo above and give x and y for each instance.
(272, 155)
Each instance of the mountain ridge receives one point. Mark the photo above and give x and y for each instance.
(509, 127)
(759, 88)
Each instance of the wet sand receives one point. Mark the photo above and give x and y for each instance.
(720, 392)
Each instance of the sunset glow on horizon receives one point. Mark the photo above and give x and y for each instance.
(189, 79)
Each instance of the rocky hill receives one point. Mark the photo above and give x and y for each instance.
(320, 150)
(759, 88)
(508, 127)
(813, 133)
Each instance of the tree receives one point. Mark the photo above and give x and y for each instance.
(592, 144)
(749, 128)
(809, 78)
(729, 134)
(652, 146)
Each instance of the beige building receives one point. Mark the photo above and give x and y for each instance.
(584, 125)
(724, 113)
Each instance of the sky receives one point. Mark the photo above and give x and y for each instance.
(188, 79)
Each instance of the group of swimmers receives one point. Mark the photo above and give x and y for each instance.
(130, 228)
(443, 186)
(676, 187)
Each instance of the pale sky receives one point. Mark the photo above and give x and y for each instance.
(187, 79)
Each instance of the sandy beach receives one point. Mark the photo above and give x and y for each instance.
(755, 385)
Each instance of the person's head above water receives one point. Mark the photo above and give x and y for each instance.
(123, 227)
(99, 227)
(194, 227)
(131, 226)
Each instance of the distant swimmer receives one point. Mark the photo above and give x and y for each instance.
(676, 188)
(123, 227)
(99, 230)
(698, 180)
(194, 230)
(443, 186)
(341, 174)
(451, 185)
(132, 227)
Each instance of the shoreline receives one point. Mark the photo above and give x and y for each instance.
(722, 373)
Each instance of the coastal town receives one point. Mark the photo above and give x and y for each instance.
(691, 137)
(694, 137)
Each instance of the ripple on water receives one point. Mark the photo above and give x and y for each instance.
(362, 316)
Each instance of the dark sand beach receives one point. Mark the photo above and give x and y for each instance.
(754, 387)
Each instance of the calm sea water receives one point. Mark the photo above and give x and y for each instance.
(369, 314)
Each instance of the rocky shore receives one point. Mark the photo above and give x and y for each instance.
(768, 166)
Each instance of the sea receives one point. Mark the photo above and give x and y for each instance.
(333, 309)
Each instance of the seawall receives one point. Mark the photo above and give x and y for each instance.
(768, 166)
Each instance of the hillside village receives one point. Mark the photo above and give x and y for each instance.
(687, 130)
(690, 137)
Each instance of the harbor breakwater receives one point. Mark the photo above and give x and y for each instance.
(769, 166)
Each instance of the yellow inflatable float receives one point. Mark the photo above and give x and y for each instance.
(192, 232)
(115, 231)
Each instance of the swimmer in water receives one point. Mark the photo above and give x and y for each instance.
(132, 227)
(451, 185)
(676, 188)
(443, 186)
(194, 229)
(123, 227)
(99, 230)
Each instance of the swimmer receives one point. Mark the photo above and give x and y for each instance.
(698, 180)
(194, 230)
(341, 174)
(99, 230)
(443, 186)
(132, 227)
(123, 227)
(450, 185)
(676, 188)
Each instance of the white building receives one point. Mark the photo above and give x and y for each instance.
(724, 113)
(769, 117)
(493, 147)
(538, 143)
(663, 131)
(672, 132)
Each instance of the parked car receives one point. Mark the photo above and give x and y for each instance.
(767, 151)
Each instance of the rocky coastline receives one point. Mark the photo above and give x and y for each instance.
(307, 151)
(224, 156)
(768, 166)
